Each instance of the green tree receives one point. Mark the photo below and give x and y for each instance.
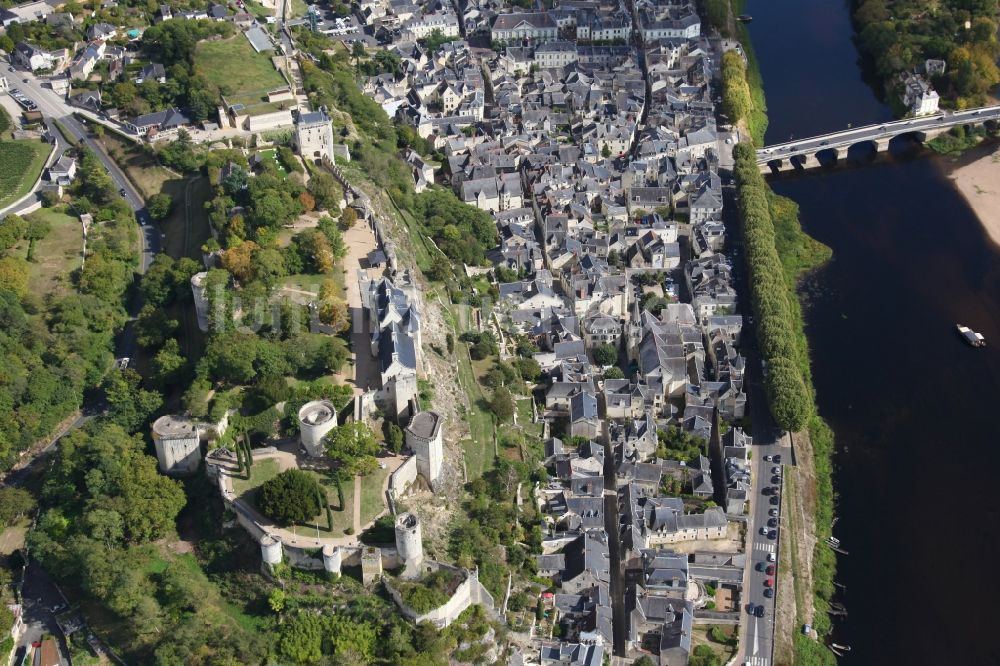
(606, 355)
(14, 503)
(502, 405)
(354, 446)
(290, 497)
(159, 206)
(129, 405)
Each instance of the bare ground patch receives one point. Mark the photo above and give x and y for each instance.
(795, 601)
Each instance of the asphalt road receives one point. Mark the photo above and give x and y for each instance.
(756, 634)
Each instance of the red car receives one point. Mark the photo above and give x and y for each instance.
(769, 583)
(770, 570)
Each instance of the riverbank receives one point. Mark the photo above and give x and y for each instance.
(978, 180)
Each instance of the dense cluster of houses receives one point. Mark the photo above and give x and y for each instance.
(600, 166)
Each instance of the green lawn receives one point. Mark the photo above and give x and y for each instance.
(479, 450)
(372, 497)
(272, 154)
(56, 256)
(240, 73)
(21, 162)
(260, 471)
(267, 468)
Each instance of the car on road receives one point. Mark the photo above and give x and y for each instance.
(775, 499)
(771, 557)
(760, 566)
(770, 570)
(766, 490)
(776, 480)
(775, 490)
(759, 611)
(777, 458)
(769, 593)
(763, 531)
(772, 512)
(772, 522)
(10, 69)
(772, 535)
(769, 458)
(24, 80)
(776, 470)
(769, 582)
(122, 192)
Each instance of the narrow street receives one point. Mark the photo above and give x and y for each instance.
(616, 564)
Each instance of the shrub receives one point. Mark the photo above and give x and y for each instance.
(289, 497)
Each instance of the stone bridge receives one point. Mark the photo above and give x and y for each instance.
(807, 153)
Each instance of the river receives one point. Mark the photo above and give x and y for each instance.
(911, 405)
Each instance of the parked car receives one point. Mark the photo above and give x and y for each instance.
(776, 479)
(776, 470)
(766, 490)
(770, 570)
(772, 512)
(760, 566)
(777, 458)
(771, 557)
(775, 500)
(769, 582)
(763, 531)
(769, 593)
(772, 535)
(772, 522)
(768, 458)
(759, 611)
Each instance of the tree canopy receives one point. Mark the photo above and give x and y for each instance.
(293, 496)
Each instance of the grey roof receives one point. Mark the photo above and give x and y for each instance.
(259, 39)
(397, 342)
(582, 406)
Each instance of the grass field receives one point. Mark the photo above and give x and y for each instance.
(56, 256)
(263, 470)
(272, 154)
(240, 73)
(479, 449)
(21, 162)
(372, 497)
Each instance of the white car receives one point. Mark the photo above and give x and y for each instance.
(771, 557)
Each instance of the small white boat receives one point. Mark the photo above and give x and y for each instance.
(970, 336)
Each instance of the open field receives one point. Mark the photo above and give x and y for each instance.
(372, 497)
(272, 154)
(267, 468)
(241, 74)
(20, 164)
(56, 256)
(479, 449)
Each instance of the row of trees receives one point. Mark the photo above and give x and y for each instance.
(789, 398)
(735, 89)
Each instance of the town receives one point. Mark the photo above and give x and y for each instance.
(567, 174)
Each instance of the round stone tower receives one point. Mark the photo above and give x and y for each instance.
(200, 299)
(332, 559)
(270, 550)
(178, 444)
(316, 419)
(408, 542)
